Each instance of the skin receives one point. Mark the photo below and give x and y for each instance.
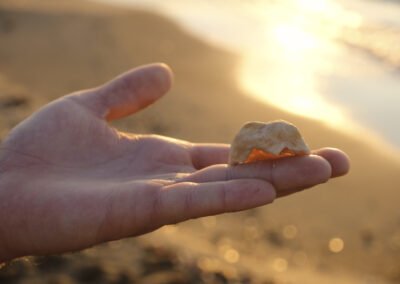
(69, 181)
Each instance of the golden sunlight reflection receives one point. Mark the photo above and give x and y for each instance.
(297, 47)
(231, 255)
(293, 40)
(280, 264)
(336, 245)
(289, 232)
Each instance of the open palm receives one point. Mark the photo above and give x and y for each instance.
(70, 181)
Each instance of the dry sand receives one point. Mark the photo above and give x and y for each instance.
(51, 48)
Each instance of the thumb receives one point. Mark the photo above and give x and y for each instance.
(129, 92)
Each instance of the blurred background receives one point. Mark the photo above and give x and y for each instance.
(307, 57)
(330, 67)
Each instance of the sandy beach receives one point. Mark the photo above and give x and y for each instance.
(48, 50)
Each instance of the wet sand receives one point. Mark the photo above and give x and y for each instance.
(48, 50)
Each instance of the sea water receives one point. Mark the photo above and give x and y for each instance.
(334, 61)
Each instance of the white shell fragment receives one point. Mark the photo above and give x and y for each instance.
(257, 141)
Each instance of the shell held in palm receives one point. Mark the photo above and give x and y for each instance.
(258, 141)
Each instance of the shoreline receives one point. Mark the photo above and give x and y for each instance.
(205, 105)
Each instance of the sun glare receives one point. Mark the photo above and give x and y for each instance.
(293, 39)
(298, 41)
(315, 5)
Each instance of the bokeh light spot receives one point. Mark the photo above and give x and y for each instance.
(280, 264)
(336, 245)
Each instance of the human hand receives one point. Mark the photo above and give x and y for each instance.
(69, 181)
